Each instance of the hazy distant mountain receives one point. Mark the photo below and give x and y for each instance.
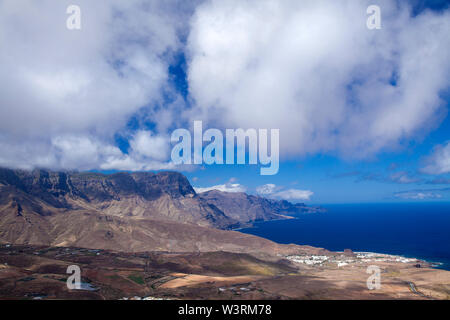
(248, 208)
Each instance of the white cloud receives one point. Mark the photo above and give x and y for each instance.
(266, 189)
(403, 177)
(417, 195)
(145, 144)
(96, 77)
(228, 187)
(81, 152)
(273, 191)
(294, 194)
(64, 95)
(313, 69)
(131, 164)
(75, 152)
(439, 161)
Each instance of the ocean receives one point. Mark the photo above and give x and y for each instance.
(418, 230)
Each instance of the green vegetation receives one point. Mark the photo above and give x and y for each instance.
(137, 279)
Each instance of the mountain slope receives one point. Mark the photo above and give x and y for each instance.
(249, 208)
(92, 229)
(164, 196)
(125, 212)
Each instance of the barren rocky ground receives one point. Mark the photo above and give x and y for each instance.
(28, 272)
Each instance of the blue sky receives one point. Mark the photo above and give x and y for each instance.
(362, 113)
(334, 180)
(345, 181)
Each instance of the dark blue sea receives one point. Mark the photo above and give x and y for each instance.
(419, 230)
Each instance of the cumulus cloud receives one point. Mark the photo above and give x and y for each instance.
(145, 144)
(313, 70)
(267, 189)
(439, 161)
(64, 95)
(294, 194)
(81, 152)
(310, 68)
(228, 187)
(273, 191)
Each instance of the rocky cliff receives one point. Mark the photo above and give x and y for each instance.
(127, 212)
(164, 196)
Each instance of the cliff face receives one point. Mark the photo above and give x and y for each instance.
(54, 186)
(164, 196)
(127, 212)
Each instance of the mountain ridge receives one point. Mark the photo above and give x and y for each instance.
(125, 211)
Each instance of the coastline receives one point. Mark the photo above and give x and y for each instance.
(254, 223)
(288, 234)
